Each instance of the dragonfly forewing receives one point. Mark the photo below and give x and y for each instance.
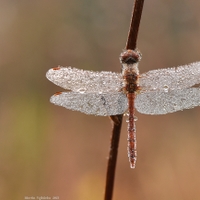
(79, 80)
(159, 102)
(92, 103)
(171, 78)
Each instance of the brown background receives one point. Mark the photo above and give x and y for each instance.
(46, 150)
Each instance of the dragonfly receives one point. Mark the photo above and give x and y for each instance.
(105, 93)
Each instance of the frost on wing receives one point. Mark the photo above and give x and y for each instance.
(79, 80)
(92, 103)
(159, 102)
(171, 78)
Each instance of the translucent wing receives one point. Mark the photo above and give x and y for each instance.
(79, 80)
(159, 102)
(92, 103)
(171, 78)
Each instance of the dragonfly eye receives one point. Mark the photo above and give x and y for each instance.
(130, 60)
(130, 56)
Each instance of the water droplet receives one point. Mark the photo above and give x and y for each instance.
(81, 90)
(126, 113)
(135, 118)
(166, 88)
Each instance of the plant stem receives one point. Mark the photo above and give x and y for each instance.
(117, 122)
(135, 23)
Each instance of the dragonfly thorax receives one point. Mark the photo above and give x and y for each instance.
(130, 80)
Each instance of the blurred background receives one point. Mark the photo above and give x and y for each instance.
(46, 150)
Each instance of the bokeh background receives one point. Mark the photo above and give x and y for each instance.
(46, 150)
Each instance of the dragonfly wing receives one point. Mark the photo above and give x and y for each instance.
(159, 102)
(92, 103)
(79, 80)
(171, 78)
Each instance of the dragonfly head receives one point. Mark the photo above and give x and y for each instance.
(129, 60)
(130, 57)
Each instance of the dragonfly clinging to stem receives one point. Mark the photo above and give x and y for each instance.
(105, 93)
